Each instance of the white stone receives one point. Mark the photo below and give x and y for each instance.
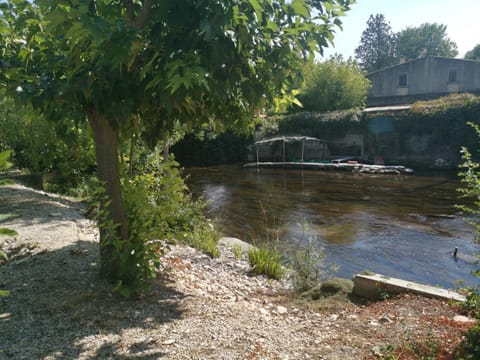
(463, 319)
(281, 310)
(264, 311)
(385, 320)
(333, 317)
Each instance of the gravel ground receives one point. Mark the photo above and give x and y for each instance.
(199, 308)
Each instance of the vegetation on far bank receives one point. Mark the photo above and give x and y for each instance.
(439, 127)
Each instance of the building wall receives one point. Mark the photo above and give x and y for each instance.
(423, 79)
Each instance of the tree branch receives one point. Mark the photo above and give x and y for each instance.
(137, 20)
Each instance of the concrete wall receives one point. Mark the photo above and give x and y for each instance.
(423, 79)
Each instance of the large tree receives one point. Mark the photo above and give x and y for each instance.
(473, 54)
(426, 39)
(377, 45)
(164, 62)
(335, 84)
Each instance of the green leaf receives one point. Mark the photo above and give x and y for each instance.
(4, 156)
(4, 293)
(5, 182)
(3, 255)
(8, 232)
(301, 7)
(257, 7)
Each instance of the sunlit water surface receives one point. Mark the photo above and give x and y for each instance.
(400, 226)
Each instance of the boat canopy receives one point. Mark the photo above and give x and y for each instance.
(288, 139)
(291, 149)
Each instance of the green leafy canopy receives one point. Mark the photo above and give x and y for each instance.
(170, 61)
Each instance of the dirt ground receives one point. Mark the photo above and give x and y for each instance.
(198, 308)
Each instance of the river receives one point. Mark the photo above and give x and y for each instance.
(399, 226)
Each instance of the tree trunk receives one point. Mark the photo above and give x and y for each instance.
(106, 150)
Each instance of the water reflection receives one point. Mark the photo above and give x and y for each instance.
(400, 226)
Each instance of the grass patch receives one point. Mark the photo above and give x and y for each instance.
(425, 347)
(207, 246)
(8, 216)
(237, 252)
(266, 260)
(4, 182)
(8, 232)
(203, 238)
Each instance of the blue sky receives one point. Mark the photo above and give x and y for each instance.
(462, 18)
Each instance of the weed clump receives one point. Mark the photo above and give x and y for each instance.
(266, 260)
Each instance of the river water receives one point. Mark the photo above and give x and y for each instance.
(399, 226)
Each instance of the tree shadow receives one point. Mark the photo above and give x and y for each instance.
(59, 307)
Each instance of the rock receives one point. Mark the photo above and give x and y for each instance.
(333, 317)
(231, 243)
(264, 311)
(463, 319)
(385, 320)
(377, 351)
(281, 310)
(337, 288)
(230, 246)
(337, 285)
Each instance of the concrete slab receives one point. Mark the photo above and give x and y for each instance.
(372, 286)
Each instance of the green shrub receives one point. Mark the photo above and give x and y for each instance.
(5, 165)
(159, 210)
(4, 293)
(470, 347)
(470, 177)
(266, 260)
(306, 264)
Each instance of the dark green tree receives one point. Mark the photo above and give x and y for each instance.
(159, 65)
(377, 45)
(426, 39)
(473, 54)
(335, 84)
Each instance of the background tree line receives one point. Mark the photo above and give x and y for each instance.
(381, 47)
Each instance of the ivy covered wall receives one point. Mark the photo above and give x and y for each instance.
(428, 133)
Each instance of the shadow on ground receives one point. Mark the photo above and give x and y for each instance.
(58, 305)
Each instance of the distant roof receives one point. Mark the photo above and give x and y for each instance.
(423, 58)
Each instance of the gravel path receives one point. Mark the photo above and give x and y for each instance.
(199, 308)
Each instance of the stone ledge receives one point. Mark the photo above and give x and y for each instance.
(370, 286)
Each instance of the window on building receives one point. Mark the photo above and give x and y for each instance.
(402, 80)
(452, 76)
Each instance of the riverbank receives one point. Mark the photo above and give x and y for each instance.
(199, 308)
